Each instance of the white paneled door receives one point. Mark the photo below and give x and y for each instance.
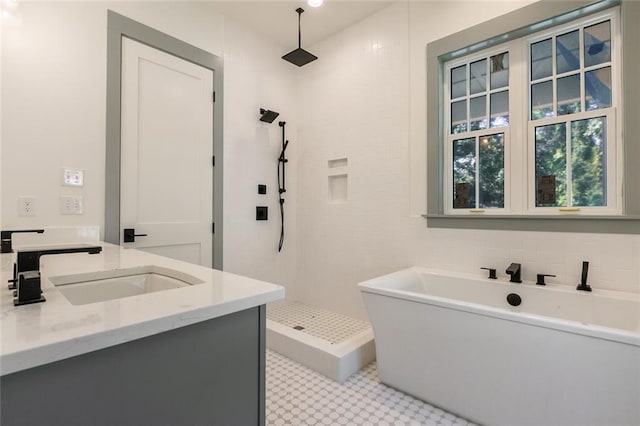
(166, 194)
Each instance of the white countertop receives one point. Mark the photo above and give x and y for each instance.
(41, 333)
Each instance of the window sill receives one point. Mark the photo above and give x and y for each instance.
(591, 224)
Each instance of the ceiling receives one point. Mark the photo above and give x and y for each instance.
(278, 20)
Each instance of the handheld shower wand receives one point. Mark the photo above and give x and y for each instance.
(282, 161)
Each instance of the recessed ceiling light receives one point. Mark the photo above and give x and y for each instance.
(314, 3)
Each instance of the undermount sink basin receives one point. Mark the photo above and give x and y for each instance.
(82, 289)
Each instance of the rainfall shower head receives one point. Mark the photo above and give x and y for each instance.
(267, 115)
(299, 56)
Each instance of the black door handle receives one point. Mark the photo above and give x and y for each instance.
(130, 235)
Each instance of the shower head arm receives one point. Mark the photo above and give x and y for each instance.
(299, 10)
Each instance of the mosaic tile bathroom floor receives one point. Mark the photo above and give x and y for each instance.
(297, 395)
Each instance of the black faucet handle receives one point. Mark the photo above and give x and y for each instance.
(540, 278)
(29, 290)
(5, 238)
(492, 273)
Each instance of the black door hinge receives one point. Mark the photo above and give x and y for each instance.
(214, 161)
(213, 228)
(214, 96)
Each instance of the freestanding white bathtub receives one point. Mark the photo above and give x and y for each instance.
(562, 357)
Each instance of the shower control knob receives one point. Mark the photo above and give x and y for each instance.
(513, 299)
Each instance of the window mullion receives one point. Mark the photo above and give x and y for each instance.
(569, 178)
(468, 95)
(583, 103)
(487, 96)
(554, 79)
(477, 186)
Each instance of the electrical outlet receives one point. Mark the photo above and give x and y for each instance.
(26, 206)
(71, 204)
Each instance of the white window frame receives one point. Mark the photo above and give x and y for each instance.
(506, 130)
(519, 138)
(614, 152)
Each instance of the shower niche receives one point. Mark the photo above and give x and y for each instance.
(338, 180)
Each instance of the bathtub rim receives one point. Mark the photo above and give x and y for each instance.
(375, 286)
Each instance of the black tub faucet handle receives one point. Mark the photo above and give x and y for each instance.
(492, 273)
(540, 278)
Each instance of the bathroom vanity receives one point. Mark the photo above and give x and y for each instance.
(187, 349)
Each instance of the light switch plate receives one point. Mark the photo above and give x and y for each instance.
(71, 204)
(72, 177)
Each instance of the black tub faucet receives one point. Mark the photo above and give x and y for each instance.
(514, 271)
(5, 236)
(27, 268)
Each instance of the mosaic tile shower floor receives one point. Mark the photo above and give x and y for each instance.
(297, 395)
(326, 325)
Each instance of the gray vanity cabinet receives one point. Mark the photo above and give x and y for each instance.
(208, 373)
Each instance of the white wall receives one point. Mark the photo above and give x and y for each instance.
(365, 99)
(53, 105)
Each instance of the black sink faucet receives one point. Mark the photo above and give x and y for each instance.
(514, 270)
(29, 260)
(28, 289)
(5, 237)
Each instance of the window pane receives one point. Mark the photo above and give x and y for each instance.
(541, 64)
(478, 112)
(569, 94)
(588, 162)
(491, 171)
(458, 117)
(500, 70)
(500, 109)
(478, 78)
(464, 173)
(597, 44)
(597, 88)
(541, 100)
(551, 162)
(459, 82)
(568, 52)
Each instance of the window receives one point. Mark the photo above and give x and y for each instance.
(477, 93)
(531, 125)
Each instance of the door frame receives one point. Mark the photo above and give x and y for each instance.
(119, 26)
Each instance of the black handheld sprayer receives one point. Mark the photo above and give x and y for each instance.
(282, 161)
